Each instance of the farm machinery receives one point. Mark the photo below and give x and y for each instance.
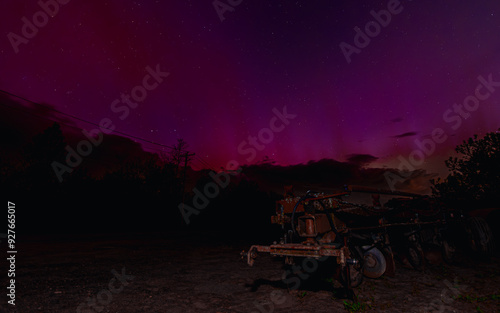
(359, 239)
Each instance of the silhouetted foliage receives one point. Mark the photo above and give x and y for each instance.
(475, 173)
(132, 193)
(45, 148)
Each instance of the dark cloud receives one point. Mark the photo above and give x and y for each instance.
(397, 120)
(407, 134)
(18, 124)
(20, 121)
(328, 175)
(361, 159)
(24, 119)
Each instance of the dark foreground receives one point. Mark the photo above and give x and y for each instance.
(198, 273)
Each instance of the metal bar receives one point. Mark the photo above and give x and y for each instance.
(298, 250)
(355, 188)
(396, 224)
(327, 196)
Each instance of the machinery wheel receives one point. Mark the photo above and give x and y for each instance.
(416, 256)
(448, 251)
(374, 262)
(355, 270)
(480, 236)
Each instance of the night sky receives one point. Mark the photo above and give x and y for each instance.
(226, 76)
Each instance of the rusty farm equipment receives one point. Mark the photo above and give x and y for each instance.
(359, 239)
(311, 230)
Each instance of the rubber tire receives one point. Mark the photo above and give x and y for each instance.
(416, 256)
(376, 257)
(480, 236)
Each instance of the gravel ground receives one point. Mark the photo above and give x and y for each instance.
(185, 273)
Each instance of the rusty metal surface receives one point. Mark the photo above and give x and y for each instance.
(307, 226)
(355, 188)
(397, 224)
(289, 203)
(298, 250)
(315, 221)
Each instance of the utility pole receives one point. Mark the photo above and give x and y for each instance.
(187, 157)
(180, 155)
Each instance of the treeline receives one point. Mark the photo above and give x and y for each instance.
(126, 193)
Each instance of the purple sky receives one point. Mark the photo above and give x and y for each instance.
(225, 77)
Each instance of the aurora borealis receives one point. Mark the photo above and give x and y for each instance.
(226, 77)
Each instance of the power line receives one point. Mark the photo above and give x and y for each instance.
(80, 119)
(39, 116)
(206, 164)
(203, 162)
(68, 125)
(200, 163)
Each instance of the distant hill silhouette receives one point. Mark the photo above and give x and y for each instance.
(328, 174)
(121, 187)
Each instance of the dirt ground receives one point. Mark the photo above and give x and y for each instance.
(183, 273)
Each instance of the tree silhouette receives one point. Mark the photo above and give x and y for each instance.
(475, 173)
(45, 148)
(177, 155)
